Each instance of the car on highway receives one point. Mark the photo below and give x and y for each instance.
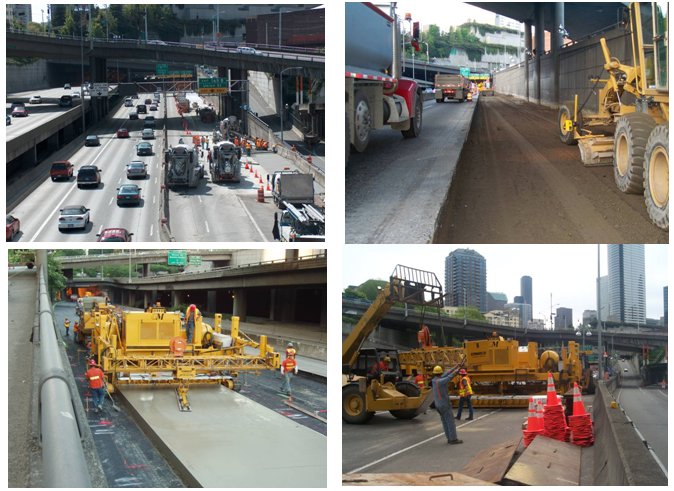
(17, 104)
(157, 96)
(136, 168)
(61, 169)
(148, 101)
(246, 50)
(12, 227)
(122, 133)
(153, 107)
(133, 114)
(66, 101)
(625, 370)
(74, 216)
(75, 95)
(149, 123)
(88, 175)
(148, 134)
(128, 102)
(141, 108)
(128, 194)
(19, 112)
(92, 141)
(144, 148)
(36, 99)
(114, 235)
(134, 96)
(67, 87)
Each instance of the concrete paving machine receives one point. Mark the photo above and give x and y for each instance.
(371, 378)
(150, 348)
(635, 101)
(86, 308)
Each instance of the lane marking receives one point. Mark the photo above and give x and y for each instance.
(110, 202)
(391, 455)
(252, 220)
(207, 229)
(151, 230)
(154, 198)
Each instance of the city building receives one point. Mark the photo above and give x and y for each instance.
(536, 324)
(564, 318)
(521, 311)
(666, 316)
(525, 289)
(21, 13)
(466, 279)
(626, 283)
(603, 291)
(503, 318)
(496, 301)
(589, 317)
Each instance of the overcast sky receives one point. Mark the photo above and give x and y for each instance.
(428, 12)
(567, 271)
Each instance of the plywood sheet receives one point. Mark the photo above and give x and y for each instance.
(230, 441)
(412, 479)
(492, 463)
(547, 462)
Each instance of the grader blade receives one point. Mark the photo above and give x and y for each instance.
(596, 151)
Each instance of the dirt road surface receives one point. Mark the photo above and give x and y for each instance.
(516, 182)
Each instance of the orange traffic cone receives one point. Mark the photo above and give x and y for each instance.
(256, 176)
(268, 187)
(246, 166)
(532, 421)
(578, 407)
(552, 393)
(260, 180)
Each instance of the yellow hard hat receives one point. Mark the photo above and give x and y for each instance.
(437, 370)
(387, 359)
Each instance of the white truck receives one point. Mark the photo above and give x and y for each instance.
(225, 165)
(183, 166)
(302, 223)
(292, 187)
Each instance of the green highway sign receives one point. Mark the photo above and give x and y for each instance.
(464, 71)
(177, 258)
(215, 85)
(195, 260)
(162, 69)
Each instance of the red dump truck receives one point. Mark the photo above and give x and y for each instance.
(376, 95)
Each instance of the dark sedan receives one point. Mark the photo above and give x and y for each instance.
(144, 148)
(128, 194)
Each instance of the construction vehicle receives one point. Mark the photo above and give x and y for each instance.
(635, 101)
(455, 87)
(207, 114)
(371, 378)
(302, 223)
(225, 165)
(183, 166)
(86, 308)
(376, 95)
(183, 104)
(292, 187)
(142, 348)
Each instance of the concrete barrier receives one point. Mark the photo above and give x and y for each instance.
(620, 456)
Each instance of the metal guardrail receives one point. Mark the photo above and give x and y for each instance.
(63, 460)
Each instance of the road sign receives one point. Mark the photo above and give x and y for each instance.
(195, 260)
(162, 69)
(99, 89)
(177, 258)
(215, 85)
(464, 71)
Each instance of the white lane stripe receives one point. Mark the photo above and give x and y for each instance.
(207, 229)
(100, 228)
(151, 230)
(154, 199)
(252, 220)
(58, 207)
(354, 471)
(110, 202)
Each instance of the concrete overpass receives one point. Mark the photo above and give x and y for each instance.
(399, 328)
(69, 263)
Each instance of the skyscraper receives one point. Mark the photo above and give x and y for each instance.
(666, 313)
(466, 279)
(564, 318)
(525, 289)
(626, 283)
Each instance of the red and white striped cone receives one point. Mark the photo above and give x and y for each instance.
(552, 392)
(578, 407)
(581, 430)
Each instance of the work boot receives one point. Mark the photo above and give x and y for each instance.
(469, 418)
(458, 417)
(455, 442)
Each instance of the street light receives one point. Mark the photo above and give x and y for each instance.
(281, 93)
(428, 59)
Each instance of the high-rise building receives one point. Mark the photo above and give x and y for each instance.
(626, 283)
(589, 317)
(525, 289)
(564, 318)
(666, 316)
(496, 301)
(466, 279)
(518, 299)
(19, 12)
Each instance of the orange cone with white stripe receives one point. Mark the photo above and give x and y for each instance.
(532, 421)
(552, 392)
(578, 407)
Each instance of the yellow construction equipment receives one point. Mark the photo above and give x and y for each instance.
(86, 306)
(150, 348)
(634, 100)
(371, 378)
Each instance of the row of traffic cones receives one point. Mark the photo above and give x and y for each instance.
(549, 420)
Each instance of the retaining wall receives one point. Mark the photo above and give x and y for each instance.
(22, 78)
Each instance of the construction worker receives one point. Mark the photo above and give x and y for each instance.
(248, 148)
(381, 366)
(76, 329)
(66, 325)
(190, 319)
(440, 383)
(96, 379)
(465, 393)
(288, 369)
(290, 351)
(419, 380)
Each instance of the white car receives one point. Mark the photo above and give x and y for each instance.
(75, 95)
(246, 50)
(148, 134)
(74, 216)
(36, 99)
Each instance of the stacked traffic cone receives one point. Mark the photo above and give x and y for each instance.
(534, 424)
(554, 423)
(580, 423)
(246, 167)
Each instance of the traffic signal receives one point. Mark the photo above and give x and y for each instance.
(415, 30)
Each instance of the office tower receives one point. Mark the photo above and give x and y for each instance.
(626, 283)
(525, 289)
(564, 318)
(466, 279)
(664, 297)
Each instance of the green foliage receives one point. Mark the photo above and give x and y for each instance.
(55, 278)
(471, 313)
(70, 252)
(371, 288)
(442, 44)
(353, 291)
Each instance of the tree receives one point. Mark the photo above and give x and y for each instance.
(56, 280)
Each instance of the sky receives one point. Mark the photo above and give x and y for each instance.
(427, 13)
(569, 272)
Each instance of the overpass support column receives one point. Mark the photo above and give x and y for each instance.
(176, 298)
(211, 300)
(239, 308)
(557, 40)
(146, 270)
(232, 103)
(527, 57)
(292, 254)
(540, 46)
(147, 300)
(132, 299)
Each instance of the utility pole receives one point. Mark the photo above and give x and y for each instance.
(600, 348)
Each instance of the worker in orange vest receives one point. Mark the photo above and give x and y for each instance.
(288, 369)
(96, 379)
(419, 380)
(190, 319)
(66, 325)
(465, 393)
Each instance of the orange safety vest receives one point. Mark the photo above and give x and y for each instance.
(289, 365)
(419, 380)
(468, 390)
(95, 376)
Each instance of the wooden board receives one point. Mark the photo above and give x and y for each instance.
(412, 479)
(492, 463)
(547, 462)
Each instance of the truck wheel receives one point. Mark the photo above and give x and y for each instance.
(353, 406)
(415, 123)
(566, 113)
(410, 390)
(629, 145)
(439, 101)
(347, 137)
(656, 176)
(362, 122)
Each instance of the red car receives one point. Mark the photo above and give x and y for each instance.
(19, 112)
(114, 235)
(61, 169)
(122, 133)
(13, 226)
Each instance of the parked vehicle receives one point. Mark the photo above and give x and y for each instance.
(292, 187)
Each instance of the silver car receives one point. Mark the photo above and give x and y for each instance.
(136, 168)
(148, 134)
(74, 216)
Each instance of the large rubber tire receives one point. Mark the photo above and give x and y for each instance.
(410, 390)
(565, 113)
(415, 123)
(440, 101)
(656, 176)
(347, 139)
(362, 121)
(629, 146)
(353, 406)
